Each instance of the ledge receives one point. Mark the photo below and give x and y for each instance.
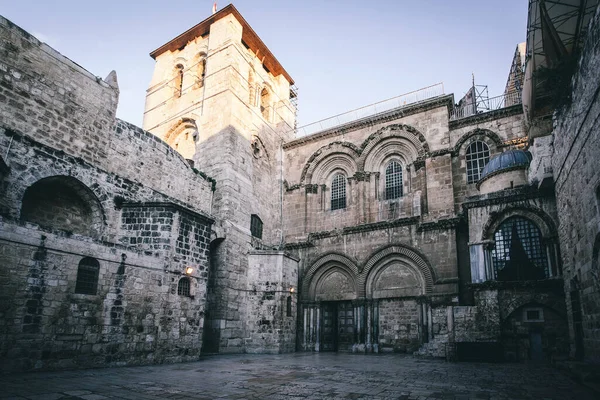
(505, 196)
(173, 206)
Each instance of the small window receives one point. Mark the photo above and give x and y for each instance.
(338, 192)
(87, 276)
(477, 156)
(183, 287)
(393, 180)
(256, 226)
(288, 308)
(533, 315)
(178, 80)
(265, 103)
(201, 70)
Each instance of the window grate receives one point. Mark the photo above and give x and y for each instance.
(523, 259)
(87, 276)
(477, 156)
(183, 287)
(338, 192)
(393, 180)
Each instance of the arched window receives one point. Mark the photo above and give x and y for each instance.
(178, 82)
(477, 156)
(338, 192)
(87, 276)
(393, 180)
(183, 287)
(265, 103)
(256, 226)
(518, 253)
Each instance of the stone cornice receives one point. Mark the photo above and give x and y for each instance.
(396, 113)
(505, 196)
(448, 223)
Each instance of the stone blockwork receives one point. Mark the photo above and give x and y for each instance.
(577, 177)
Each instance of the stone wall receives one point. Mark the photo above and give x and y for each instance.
(81, 187)
(577, 179)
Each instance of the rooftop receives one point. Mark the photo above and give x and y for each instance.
(249, 37)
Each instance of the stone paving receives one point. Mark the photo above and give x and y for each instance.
(300, 376)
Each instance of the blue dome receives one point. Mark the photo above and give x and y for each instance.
(507, 160)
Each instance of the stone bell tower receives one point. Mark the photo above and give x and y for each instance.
(222, 101)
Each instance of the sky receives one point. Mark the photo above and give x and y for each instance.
(341, 54)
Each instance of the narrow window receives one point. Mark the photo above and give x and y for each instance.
(183, 287)
(338, 192)
(477, 156)
(178, 80)
(393, 180)
(518, 253)
(288, 308)
(201, 70)
(256, 226)
(265, 100)
(87, 276)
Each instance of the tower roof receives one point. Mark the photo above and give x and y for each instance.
(249, 37)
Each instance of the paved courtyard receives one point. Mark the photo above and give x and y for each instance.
(300, 376)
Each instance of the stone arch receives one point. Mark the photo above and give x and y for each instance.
(326, 265)
(335, 155)
(183, 137)
(397, 138)
(65, 203)
(485, 135)
(532, 299)
(410, 258)
(542, 220)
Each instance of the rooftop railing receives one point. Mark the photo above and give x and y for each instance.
(372, 109)
(485, 105)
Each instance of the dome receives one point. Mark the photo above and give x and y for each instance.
(510, 159)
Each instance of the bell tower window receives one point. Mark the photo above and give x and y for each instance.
(178, 80)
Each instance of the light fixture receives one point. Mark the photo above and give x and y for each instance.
(189, 270)
(292, 289)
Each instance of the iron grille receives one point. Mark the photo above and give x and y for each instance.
(478, 155)
(506, 252)
(338, 192)
(183, 287)
(393, 180)
(87, 276)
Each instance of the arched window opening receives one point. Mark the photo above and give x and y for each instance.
(256, 226)
(178, 82)
(338, 192)
(201, 70)
(265, 103)
(183, 287)
(518, 253)
(288, 307)
(87, 276)
(393, 180)
(477, 156)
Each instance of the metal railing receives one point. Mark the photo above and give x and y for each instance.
(372, 109)
(485, 105)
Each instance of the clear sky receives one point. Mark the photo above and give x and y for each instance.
(342, 54)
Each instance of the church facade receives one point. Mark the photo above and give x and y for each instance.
(428, 228)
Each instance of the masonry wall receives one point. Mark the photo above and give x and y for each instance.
(577, 179)
(79, 184)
